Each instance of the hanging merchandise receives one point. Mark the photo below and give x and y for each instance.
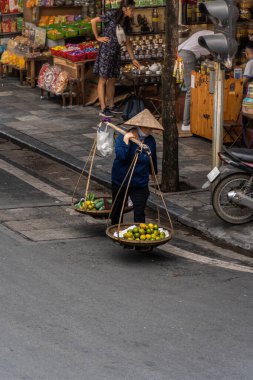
(247, 104)
(178, 71)
(105, 138)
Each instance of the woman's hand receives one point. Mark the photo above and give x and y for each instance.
(103, 39)
(127, 137)
(136, 64)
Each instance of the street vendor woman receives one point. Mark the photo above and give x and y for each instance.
(141, 127)
(107, 66)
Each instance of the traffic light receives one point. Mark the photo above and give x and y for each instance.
(222, 45)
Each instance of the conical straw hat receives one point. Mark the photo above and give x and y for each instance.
(144, 119)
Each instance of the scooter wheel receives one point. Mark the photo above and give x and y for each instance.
(223, 207)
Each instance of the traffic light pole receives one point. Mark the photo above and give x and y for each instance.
(218, 111)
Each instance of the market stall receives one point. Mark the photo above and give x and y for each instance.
(203, 76)
(48, 24)
(26, 54)
(11, 21)
(202, 106)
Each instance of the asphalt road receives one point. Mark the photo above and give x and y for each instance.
(74, 305)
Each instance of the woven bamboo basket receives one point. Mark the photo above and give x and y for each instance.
(138, 243)
(100, 214)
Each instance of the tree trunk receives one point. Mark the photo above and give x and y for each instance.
(170, 172)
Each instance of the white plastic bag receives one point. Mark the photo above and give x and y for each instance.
(121, 36)
(105, 140)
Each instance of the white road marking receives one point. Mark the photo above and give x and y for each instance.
(206, 260)
(36, 183)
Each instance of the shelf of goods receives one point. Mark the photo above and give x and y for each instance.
(145, 47)
(26, 65)
(149, 15)
(191, 14)
(10, 24)
(62, 19)
(244, 28)
(11, 19)
(202, 106)
(146, 30)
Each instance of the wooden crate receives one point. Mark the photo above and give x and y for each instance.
(202, 105)
(72, 68)
(78, 71)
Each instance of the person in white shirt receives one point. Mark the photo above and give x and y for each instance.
(190, 51)
(248, 71)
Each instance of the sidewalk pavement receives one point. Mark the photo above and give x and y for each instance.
(66, 135)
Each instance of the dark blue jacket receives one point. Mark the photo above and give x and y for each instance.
(124, 157)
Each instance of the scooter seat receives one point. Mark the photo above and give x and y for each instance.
(242, 154)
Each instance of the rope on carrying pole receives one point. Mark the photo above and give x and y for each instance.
(161, 195)
(91, 156)
(130, 178)
(121, 186)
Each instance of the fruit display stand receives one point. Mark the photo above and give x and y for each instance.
(27, 74)
(26, 63)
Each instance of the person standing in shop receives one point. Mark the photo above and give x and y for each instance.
(248, 71)
(107, 66)
(190, 51)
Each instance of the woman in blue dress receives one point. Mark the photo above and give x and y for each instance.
(107, 65)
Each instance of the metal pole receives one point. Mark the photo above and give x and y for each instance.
(180, 12)
(218, 111)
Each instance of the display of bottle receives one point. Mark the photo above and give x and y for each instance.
(155, 20)
(200, 16)
(189, 14)
(184, 13)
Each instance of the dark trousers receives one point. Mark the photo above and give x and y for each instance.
(138, 196)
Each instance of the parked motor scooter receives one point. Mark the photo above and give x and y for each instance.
(232, 195)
